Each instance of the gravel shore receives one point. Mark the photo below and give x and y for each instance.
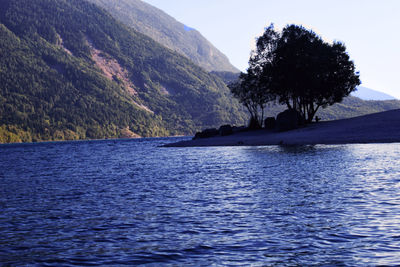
(383, 127)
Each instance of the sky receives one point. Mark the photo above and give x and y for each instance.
(370, 29)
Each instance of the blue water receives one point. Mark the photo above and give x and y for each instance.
(132, 202)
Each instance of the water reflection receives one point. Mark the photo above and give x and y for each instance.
(132, 202)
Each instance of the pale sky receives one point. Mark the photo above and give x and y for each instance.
(369, 28)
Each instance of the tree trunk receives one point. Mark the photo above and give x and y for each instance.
(312, 113)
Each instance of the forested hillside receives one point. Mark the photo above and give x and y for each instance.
(69, 70)
(167, 31)
(353, 106)
(350, 107)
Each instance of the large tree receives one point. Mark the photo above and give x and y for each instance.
(301, 70)
(309, 73)
(250, 93)
(253, 89)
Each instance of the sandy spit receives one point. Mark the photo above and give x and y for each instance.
(382, 127)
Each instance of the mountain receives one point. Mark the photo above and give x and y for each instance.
(167, 31)
(350, 107)
(369, 94)
(353, 106)
(226, 76)
(69, 70)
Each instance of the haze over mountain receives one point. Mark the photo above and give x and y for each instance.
(69, 70)
(164, 29)
(369, 94)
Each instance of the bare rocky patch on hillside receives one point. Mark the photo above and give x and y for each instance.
(113, 71)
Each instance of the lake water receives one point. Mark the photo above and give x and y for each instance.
(131, 202)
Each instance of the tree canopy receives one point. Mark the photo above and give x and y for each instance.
(296, 68)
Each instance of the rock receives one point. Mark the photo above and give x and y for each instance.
(239, 129)
(225, 130)
(270, 123)
(222, 131)
(288, 120)
(206, 133)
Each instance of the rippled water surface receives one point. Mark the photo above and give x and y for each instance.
(133, 202)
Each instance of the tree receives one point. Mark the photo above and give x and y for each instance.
(251, 94)
(253, 88)
(309, 73)
(297, 68)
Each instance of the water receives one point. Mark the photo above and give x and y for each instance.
(132, 202)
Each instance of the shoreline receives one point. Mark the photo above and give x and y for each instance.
(382, 127)
(89, 140)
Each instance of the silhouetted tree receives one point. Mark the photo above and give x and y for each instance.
(253, 88)
(309, 73)
(297, 68)
(250, 93)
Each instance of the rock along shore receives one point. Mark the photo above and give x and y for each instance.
(383, 127)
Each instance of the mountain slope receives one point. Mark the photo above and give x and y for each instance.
(351, 106)
(167, 31)
(71, 71)
(369, 94)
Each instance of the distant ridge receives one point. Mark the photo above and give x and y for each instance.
(369, 94)
(167, 31)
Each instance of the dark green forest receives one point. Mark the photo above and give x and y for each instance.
(52, 89)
